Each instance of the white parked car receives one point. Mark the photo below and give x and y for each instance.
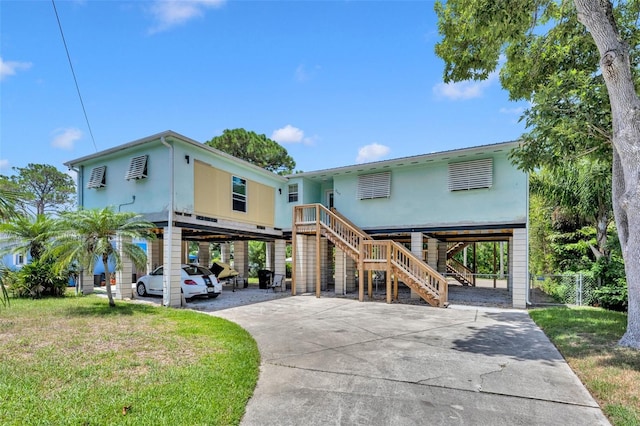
(194, 281)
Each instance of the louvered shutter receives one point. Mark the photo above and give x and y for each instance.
(471, 175)
(377, 185)
(137, 168)
(97, 177)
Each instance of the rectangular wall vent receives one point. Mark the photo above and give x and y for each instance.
(376, 185)
(468, 175)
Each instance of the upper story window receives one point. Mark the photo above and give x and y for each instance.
(468, 175)
(98, 177)
(137, 168)
(293, 193)
(376, 185)
(239, 194)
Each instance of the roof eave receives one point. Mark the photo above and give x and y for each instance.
(403, 161)
(174, 135)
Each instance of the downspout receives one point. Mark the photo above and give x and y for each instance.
(166, 298)
(528, 292)
(79, 204)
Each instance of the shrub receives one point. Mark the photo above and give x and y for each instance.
(38, 279)
(611, 292)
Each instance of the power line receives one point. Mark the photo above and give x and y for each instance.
(75, 80)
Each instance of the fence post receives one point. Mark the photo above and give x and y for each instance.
(581, 289)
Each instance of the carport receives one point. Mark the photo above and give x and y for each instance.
(191, 193)
(171, 248)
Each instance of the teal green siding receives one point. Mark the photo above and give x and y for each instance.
(420, 197)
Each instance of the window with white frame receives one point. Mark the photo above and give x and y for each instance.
(137, 168)
(18, 259)
(239, 194)
(473, 174)
(98, 177)
(376, 185)
(293, 193)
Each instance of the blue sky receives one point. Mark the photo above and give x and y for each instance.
(335, 82)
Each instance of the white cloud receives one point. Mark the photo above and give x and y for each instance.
(463, 90)
(372, 152)
(303, 73)
(171, 13)
(65, 138)
(512, 111)
(290, 134)
(4, 163)
(8, 68)
(287, 134)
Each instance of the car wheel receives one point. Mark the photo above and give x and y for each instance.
(213, 296)
(186, 299)
(141, 290)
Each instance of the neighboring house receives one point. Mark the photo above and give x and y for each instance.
(15, 260)
(398, 216)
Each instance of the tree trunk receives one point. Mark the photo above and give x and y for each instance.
(107, 280)
(597, 16)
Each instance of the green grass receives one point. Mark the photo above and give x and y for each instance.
(587, 339)
(75, 361)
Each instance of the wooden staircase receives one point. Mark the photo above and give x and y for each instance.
(461, 273)
(457, 270)
(370, 254)
(455, 248)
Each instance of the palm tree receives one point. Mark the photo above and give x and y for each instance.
(583, 188)
(8, 202)
(27, 234)
(89, 235)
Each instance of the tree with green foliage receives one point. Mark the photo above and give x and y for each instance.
(582, 189)
(9, 200)
(8, 210)
(31, 235)
(257, 257)
(88, 235)
(254, 148)
(556, 53)
(44, 188)
(540, 226)
(27, 234)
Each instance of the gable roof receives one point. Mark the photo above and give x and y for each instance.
(171, 135)
(460, 154)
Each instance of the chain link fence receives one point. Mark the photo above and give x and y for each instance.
(566, 289)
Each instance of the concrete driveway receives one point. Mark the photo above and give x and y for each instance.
(335, 361)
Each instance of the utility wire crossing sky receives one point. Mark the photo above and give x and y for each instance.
(334, 82)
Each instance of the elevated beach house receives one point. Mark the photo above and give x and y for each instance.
(402, 219)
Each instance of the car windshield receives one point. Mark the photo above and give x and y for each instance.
(196, 270)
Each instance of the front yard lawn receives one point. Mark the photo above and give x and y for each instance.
(76, 361)
(587, 339)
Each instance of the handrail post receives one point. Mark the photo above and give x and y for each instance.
(294, 251)
(388, 274)
(444, 293)
(361, 272)
(318, 272)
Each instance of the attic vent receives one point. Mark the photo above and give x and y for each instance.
(377, 185)
(98, 177)
(471, 175)
(137, 168)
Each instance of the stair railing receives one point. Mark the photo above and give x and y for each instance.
(465, 275)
